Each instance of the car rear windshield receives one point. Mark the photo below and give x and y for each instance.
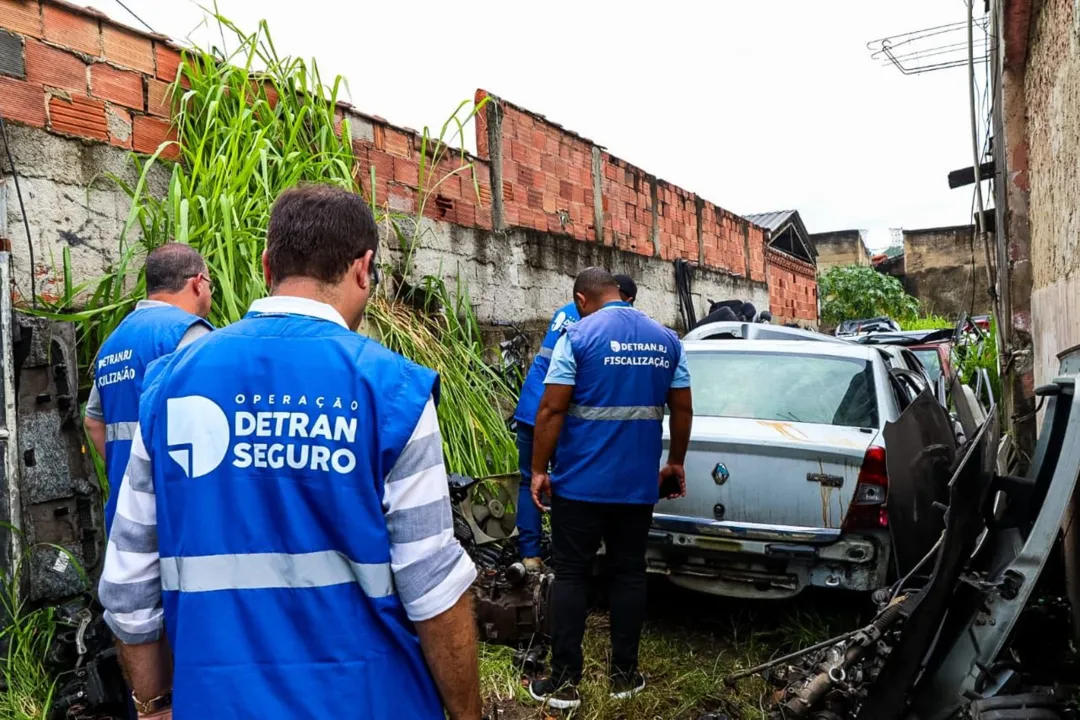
(931, 361)
(792, 387)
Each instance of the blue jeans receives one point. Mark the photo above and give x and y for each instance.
(528, 515)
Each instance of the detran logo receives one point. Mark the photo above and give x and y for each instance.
(615, 346)
(197, 433)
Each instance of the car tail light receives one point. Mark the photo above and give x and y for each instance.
(867, 511)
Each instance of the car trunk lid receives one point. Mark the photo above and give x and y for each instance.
(754, 477)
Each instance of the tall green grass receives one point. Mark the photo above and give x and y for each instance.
(243, 137)
(26, 635)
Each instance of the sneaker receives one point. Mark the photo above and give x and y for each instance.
(561, 698)
(533, 564)
(624, 687)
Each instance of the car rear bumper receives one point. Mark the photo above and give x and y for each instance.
(765, 563)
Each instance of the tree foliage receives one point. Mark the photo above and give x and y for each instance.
(852, 292)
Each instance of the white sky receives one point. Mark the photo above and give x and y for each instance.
(756, 106)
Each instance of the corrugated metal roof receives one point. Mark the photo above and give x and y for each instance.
(771, 220)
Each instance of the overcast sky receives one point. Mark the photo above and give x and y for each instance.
(756, 106)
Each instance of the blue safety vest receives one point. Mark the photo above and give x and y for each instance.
(140, 338)
(269, 442)
(533, 388)
(611, 440)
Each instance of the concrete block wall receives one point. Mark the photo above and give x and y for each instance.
(945, 271)
(1046, 163)
(840, 247)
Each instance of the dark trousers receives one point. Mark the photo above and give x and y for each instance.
(576, 531)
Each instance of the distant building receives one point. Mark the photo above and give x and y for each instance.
(944, 270)
(791, 263)
(842, 247)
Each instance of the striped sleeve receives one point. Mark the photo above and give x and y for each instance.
(431, 569)
(130, 586)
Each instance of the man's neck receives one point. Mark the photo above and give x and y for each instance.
(319, 292)
(608, 299)
(180, 300)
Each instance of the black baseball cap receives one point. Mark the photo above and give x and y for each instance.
(627, 286)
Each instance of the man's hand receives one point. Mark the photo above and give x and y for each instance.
(541, 485)
(671, 470)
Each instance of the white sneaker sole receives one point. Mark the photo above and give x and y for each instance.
(627, 694)
(555, 702)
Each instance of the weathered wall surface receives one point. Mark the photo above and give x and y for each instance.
(71, 203)
(945, 272)
(842, 247)
(80, 90)
(1052, 87)
(522, 275)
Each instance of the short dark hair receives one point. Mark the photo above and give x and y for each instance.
(318, 231)
(627, 286)
(171, 265)
(749, 311)
(593, 281)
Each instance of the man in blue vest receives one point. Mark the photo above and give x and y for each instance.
(528, 515)
(611, 375)
(178, 293)
(285, 516)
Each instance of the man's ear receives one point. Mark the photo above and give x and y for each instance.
(362, 268)
(266, 270)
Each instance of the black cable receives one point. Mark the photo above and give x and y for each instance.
(684, 274)
(132, 13)
(22, 209)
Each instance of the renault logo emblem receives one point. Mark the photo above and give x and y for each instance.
(720, 473)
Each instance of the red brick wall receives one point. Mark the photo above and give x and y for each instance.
(86, 76)
(394, 153)
(792, 289)
(548, 185)
(89, 77)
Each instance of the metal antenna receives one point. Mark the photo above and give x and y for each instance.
(937, 48)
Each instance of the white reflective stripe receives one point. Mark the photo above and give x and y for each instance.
(624, 412)
(120, 431)
(208, 573)
(545, 352)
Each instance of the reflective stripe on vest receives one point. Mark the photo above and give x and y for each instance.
(120, 431)
(611, 442)
(271, 442)
(546, 352)
(625, 412)
(261, 571)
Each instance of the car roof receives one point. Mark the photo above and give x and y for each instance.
(755, 331)
(794, 347)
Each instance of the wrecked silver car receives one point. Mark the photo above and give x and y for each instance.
(786, 473)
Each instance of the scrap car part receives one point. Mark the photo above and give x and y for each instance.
(512, 606)
(921, 448)
(968, 489)
(833, 680)
(1009, 576)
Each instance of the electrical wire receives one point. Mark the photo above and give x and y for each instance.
(132, 14)
(22, 209)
